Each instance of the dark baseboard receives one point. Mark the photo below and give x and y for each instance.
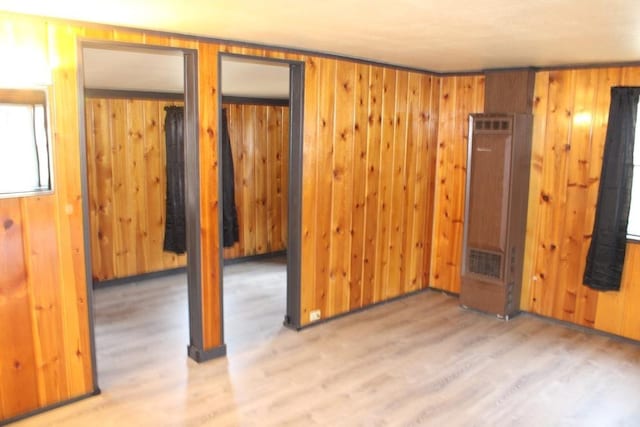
(357, 310)
(138, 277)
(548, 319)
(38, 411)
(200, 355)
(258, 257)
(581, 328)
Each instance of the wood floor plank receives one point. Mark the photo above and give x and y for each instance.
(420, 360)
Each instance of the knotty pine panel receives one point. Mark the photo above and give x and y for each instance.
(371, 201)
(349, 150)
(259, 137)
(571, 109)
(126, 160)
(44, 333)
(459, 97)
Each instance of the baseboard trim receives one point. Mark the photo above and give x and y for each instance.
(358, 310)
(582, 328)
(39, 411)
(258, 257)
(138, 277)
(553, 320)
(201, 356)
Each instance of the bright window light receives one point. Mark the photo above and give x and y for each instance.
(633, 229)
(24, 149)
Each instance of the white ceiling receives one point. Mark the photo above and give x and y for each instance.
(243, 77)
(133, 70)
(453, 35)
(163, 71)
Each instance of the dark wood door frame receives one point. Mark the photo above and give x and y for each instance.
(192, 178)
(294, 203)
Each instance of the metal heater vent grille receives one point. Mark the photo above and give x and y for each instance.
(493, 124)
(484, 263)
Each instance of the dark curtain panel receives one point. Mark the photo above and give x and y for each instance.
(175, 237)
(605, 259)
(229, 213)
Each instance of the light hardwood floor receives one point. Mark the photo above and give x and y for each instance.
(418, 361)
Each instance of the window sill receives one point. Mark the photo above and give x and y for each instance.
(633, 239)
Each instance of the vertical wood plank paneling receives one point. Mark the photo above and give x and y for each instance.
(431, 110)
(570, 112)
(309, 187)
(459, 97)
(249, 181)
(607, 77)
(155, 182)
(285, 142)
(554, 183)
(441, 236)
(18, 385)
(374, 143)
(529, 298)
(101, 165)
(324, 195)
(577, 184)
(64, 119)
(92, 165)
(273, 169)
(138, 193)
(126, 156)
(617, 311)
(430, 94)
(259, 138)
(209, 234)
(389, 159)
(358, 191)
(415, 160)
(342, 188)
(118, 144)
(397, 223)
(385, 191)
(42, 265)
(260, 174)
(375, 96)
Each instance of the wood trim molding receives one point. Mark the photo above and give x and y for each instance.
(132, 94)
(276, 102)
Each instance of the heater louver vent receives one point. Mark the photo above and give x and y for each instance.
(484, 263)
(493, 124)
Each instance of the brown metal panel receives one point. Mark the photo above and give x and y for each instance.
(490, 165)
(496, 211)
(509, 91)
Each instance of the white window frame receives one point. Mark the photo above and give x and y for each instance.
(27, 167)
(633, 228)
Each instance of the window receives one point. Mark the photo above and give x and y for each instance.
(633, 229)
(24, 146)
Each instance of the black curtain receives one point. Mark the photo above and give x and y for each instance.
(229, 214)
(175, 236)
(605, 259)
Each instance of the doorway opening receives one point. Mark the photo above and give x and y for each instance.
(140, 188)
(260, 146)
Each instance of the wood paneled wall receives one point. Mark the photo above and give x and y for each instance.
(384, 150)
(570, 120)
(369, 158)
(459, 97)
(45, 354)
(126, 160)
(368, 176)
(260, 147)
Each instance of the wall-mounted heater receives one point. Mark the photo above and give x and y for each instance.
(498, 167)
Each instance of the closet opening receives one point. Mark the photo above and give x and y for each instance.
(260, 146)
(140, 187)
